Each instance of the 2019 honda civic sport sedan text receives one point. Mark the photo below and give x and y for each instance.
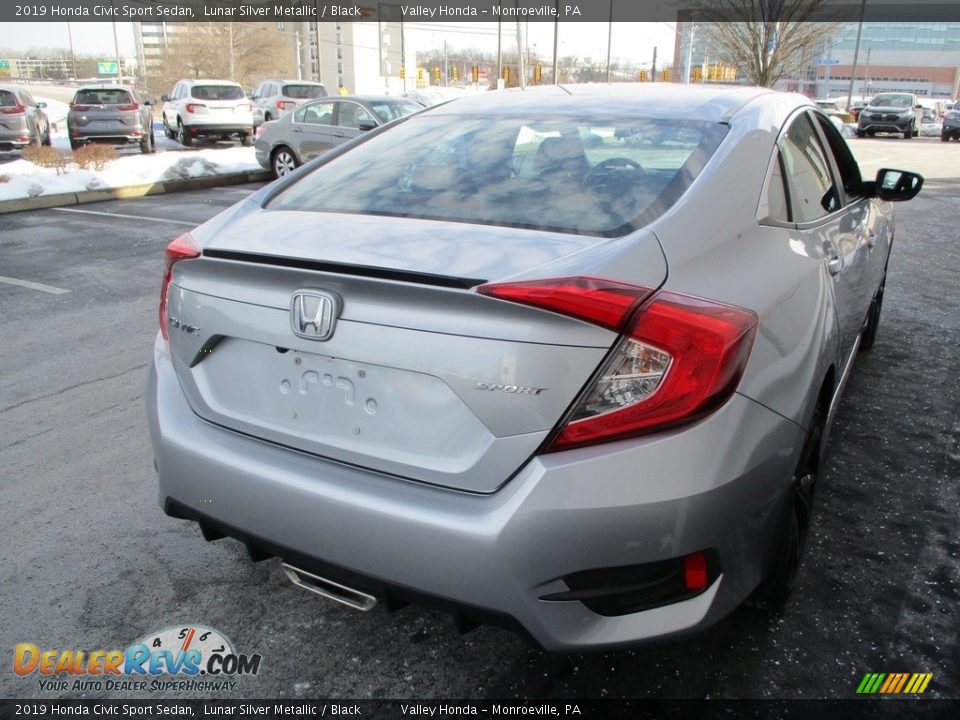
(562, 359)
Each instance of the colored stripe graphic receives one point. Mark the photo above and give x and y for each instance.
(894, 683)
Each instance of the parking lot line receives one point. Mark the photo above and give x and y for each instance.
(129, 217)
(33, 286)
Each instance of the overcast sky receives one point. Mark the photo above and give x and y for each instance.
(633, 42)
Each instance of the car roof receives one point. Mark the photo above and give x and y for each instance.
(105, 87)
(211, 81)
(663, 100)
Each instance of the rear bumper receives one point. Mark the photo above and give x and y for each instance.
(219, 129)
(717, 485)
(112, 137)
(13, 140)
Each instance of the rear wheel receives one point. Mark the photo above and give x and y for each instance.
(861, 133)
(148, 144)
(46, 137)
(869, 333)
(182, 136)
(284, 162)
(246, 140)
(167, 130)
(74, 145)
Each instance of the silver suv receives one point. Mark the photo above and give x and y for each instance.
(22, 119)
(274, 98)
(113, 115)
(207, 109)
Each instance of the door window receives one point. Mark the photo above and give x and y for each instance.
(315, 114)
(351, 115)
(847, 165)
(813, 194)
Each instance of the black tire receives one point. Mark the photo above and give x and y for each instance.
(74, 145)
(167, 130)
(182, 136)
(861, 133)
(281, 167)
(869, 333)
(908, 133)
(871, 133)
(47, 140)
(791, 535)
(246, 140)
(267, 117)
(148, 144)
(945, 138)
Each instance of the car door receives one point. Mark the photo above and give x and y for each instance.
(831, 230)
(311, 130)
(871, 225)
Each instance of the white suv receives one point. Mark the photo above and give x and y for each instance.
(274, 98)
(207, 109)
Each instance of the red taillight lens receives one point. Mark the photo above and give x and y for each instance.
(183, 248)
(197, 108)
(681, 357)
(603, 302)
(129, 107)
(695, 574)
(79, 108)
(15, 110)
(284, 104)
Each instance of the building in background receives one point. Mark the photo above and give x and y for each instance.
(920, 58)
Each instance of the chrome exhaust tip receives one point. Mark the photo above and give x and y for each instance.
(329, 589)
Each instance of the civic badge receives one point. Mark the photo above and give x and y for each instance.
(314, 313)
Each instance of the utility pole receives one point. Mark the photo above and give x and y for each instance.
(609, 39)
(230, 48)
(116, 49)
(299, 60)
(856, 54)
(687, 68)
(521, 70)
(556, 33)
(446, 67)
(499, 53)
(73, 57)
(653, 67)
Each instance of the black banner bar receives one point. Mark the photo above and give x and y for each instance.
(447, 11)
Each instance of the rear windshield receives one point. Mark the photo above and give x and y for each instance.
(217, 92)
(8, 99)
(590, 176)
(893, 100)
(111, 96)
(304, 92)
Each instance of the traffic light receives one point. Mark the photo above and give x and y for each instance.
(421, 80)
(436, 74)
(475, 72)
(697, 74)
(666, 74)
(403, 72)
(456, 73)
(642, 75)
(537, 73)
(506, 76)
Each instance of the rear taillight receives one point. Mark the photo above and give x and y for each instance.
(129, 107)
(197, 108)
(679, 359)
(284, 104)
(15, 110)
(183, 248)
(79, 108)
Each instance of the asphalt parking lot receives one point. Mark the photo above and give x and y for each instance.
(90, 561)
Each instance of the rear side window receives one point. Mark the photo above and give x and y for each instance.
(217, 92)
(390, 110)
(592, 176)
(8, 99)
(98, 96)
(316, 114)
(303, 92)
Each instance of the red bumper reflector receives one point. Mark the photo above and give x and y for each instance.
(695, 576)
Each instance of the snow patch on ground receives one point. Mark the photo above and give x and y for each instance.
(29, 180)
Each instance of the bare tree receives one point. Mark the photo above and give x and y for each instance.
(243, 52)
(767, 39)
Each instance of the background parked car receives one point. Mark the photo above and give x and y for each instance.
(112, 115)
(207, 109)
(22, 119)
(273, 98)
(314, 128)
(951, 124)
(891, 113)
(857, 106)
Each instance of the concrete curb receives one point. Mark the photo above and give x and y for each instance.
(132, 191)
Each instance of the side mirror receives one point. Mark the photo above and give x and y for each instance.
(365, 125)
(41, 105)
(918, 107)
(164, 98)
(148, 102)
(894, 185)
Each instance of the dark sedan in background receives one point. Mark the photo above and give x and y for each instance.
(113, 115)
(282, 145)
(22, 120)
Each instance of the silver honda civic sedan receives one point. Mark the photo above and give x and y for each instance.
(563, 360)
